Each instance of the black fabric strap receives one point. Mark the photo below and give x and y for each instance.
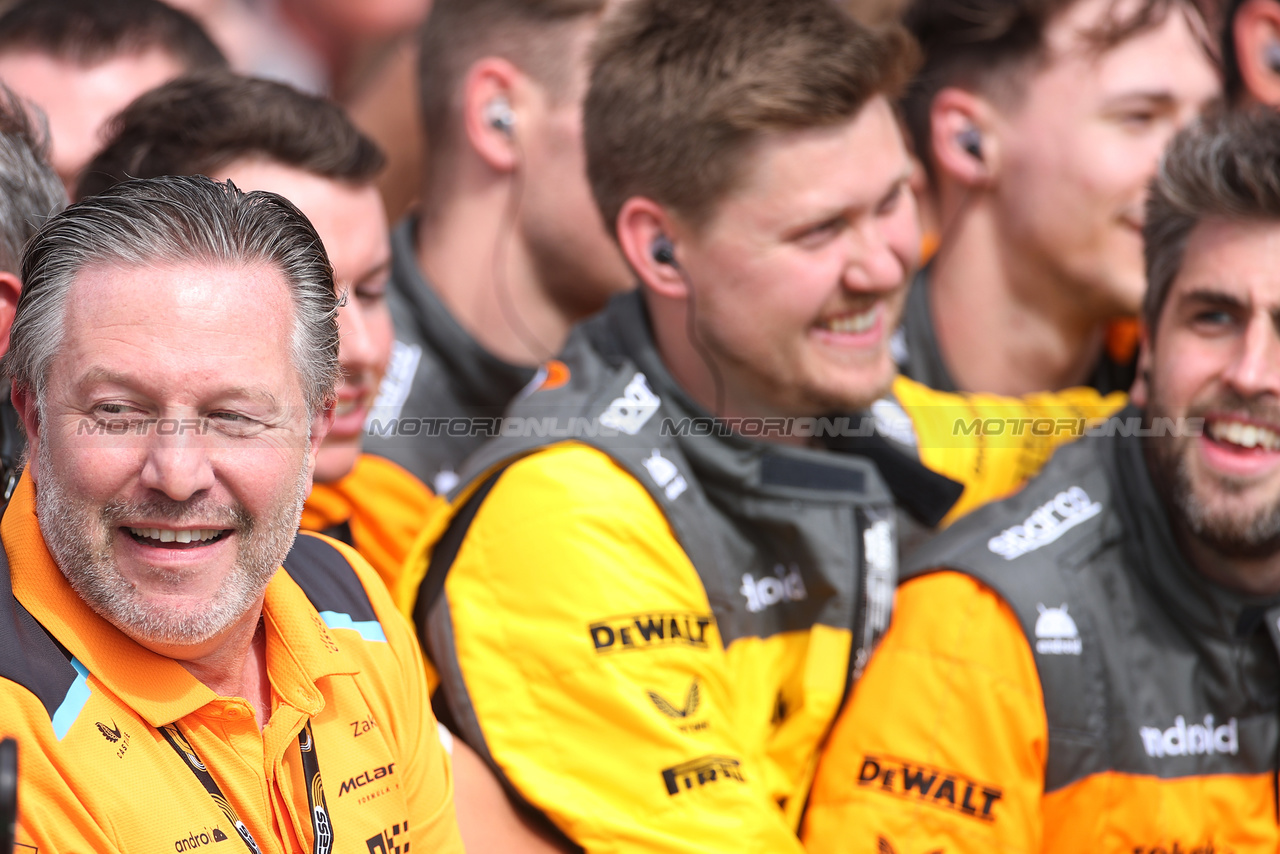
(446, 550)
(322, 829)
(922, 492)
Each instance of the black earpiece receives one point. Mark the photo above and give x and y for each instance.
(1272, 56)
(499, 115)
(970, 140)
(662, 251)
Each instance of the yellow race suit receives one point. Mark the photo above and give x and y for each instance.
(647, 626)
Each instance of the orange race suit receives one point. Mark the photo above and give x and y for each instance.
(121, 749)
(1058, 678)
(379, 509)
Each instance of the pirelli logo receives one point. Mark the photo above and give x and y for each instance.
(926, 784)
(700, 772)
(645, 631)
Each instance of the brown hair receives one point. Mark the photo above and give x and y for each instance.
(197, 125)
(531, 34)
(986, 45)
(681, 88)
(90, 31)
(1226, 166)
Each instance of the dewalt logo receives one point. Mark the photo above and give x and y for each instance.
(644, 631)
(926, 784)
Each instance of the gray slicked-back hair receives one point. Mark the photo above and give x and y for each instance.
(177, 220)
(1225, 166)
(30, 191)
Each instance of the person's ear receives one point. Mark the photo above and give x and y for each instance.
(10, 290)
(1140, 393)
(648, 236)
(321, 423)
(1256, 32)
(491, 104)
(963, 144)
(24, 401)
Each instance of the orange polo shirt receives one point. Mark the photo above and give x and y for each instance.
(384, 506)
(85, 704)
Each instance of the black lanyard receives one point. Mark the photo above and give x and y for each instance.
(322, 830)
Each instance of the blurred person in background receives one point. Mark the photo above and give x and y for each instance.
(1251, 52)
(507, 250)
(362, 52)
(81, 61)
(1039, 124)
(30, 193)
(328, 47)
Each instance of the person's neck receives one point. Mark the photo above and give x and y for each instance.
(476, 260)
(1250, 576)
(719, 395)
(234, 664)
(1003, 326)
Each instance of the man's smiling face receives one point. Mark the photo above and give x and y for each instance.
(1215, 354)
(173, 447)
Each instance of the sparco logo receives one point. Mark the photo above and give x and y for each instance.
(785, 585)
(1194, 740)
(361, 780)
(1049, 522)
(1056, 632)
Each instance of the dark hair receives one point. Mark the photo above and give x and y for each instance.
(989, 45)
(681, 88)
(1232, 79)
(176, 220)
(30, 191)
(89, 31)
(1225, 166)
(197, 125)
(531, 34)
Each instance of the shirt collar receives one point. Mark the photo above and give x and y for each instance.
(300, 650)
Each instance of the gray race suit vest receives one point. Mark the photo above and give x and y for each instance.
(1146, 667)
(782, 538)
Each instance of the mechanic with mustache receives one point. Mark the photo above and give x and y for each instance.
(173, 360)
(1091, 666)
(1039, 125)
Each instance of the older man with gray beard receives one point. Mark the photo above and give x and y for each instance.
(173, 361)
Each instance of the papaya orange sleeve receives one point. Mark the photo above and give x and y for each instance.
(944, 741)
